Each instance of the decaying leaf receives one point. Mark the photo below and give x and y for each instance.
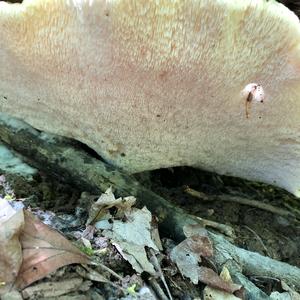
(188, 254)
(130, 229)
(44, 251)
(135, 229)
(106, 201)
(219, 287)
(136, 256)
(131, 236)
(212, 279)
(11, 224)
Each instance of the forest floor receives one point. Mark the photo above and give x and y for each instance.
(268, 233)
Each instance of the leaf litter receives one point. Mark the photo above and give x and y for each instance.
(117, 230)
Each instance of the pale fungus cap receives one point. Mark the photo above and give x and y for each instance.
(213, 84)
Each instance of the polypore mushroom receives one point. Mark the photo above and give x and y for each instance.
(151, 84)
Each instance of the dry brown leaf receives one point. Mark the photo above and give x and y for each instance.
(215, 289)
(44, 251)
(200, 245)
(11, 223)
(212, 279)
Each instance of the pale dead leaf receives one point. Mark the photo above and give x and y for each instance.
(136, 228)
(44, 251)
(131, 236)
(136, 255)
(6, 210)
(11, 224)
(188, 254)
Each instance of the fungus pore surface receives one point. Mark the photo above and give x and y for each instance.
(152, 84)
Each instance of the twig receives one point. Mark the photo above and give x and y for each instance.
(226, 229)
(98, 264)
(156, 265)
(240, 200)
(259, 239)
(158, 290)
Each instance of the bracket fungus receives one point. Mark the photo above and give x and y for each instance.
(152, 84)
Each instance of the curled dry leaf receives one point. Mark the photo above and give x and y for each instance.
(44, 251)
(11, 224)
(106, 201)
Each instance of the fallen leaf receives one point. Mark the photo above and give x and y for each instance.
(6, 210)
(218, 287)
(44, 251)
(135, 229)
(136, 255)
(11, 224)
(132, 236)
(212, 279)
(188, 254)
(106, 201)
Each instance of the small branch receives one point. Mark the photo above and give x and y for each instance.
(157, 267)
(107, 269)
(242, 201)
(158, 290)
(223, 228)
(259, 239)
